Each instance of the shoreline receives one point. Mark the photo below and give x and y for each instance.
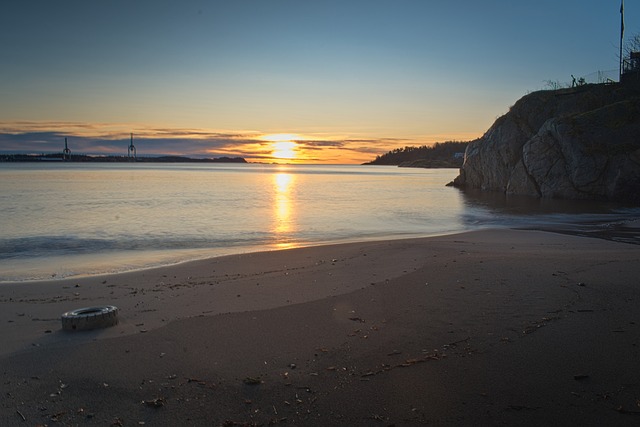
(211, 253)
(491, 326)
(623, 230)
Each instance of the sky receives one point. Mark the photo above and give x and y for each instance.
(301, 81)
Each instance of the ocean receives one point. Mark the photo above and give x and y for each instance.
(62, 220)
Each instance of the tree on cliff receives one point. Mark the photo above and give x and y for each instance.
(632, 45)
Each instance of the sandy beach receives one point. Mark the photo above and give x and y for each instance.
(495, 327)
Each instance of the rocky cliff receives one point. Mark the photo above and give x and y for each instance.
(578, 143)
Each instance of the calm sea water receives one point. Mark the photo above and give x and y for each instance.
(68, 219)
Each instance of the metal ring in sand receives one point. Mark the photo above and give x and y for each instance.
(84, 319)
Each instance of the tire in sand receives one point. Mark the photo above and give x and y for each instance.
(84, 319)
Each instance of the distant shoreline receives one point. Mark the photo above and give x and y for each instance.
(81, 158)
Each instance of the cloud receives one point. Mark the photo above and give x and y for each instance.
(114, 139)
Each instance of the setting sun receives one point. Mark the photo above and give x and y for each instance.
(284, 149)
(283, 145)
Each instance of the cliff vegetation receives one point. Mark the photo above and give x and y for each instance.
(440, 155)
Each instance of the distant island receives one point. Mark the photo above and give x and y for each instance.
(448, 154)
(77, 158)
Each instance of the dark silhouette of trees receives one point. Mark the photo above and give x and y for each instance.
(632, 45)
(440, 154)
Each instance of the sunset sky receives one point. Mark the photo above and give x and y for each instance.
(285, 80)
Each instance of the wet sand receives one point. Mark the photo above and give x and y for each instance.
(497, 327)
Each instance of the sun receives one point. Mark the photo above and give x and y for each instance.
(283, 145)
(284, 149)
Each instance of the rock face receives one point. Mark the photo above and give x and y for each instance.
(578, 143)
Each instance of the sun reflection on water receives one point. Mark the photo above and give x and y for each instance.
(283, 208)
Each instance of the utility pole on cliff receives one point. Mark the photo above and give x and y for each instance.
(621, 36)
